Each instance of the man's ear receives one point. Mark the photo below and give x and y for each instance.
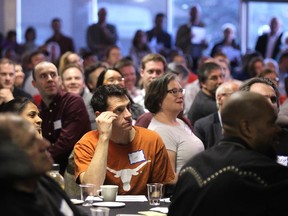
(202, 84)
(218, 99)
(97, 113)
(34, 83)
(90, 85)
(245, 129)
(141, 72)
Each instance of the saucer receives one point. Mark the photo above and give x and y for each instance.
(109, 204)
(76, 201)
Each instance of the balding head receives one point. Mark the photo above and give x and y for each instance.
(224, 91)
(251, 117)
(46, 80)
(43, 65)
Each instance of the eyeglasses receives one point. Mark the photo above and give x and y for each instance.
(276, 79)
(115, 79)
(227, 94)
(176, 91)
(273, 99)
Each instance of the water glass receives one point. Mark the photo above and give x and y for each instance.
(154, 191)
(100, 211)
(87, 193)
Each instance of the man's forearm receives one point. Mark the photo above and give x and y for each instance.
(96, 172)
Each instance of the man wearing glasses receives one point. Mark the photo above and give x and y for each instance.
(165, 99)
(209, 129)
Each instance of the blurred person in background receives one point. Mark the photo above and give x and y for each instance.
(139, 48)
(89, 58)
(69, 58)
(283, 71)
(19, 76)
(255, 66)
(113, 55)
(66, 43)
(128, 70)
(34, 58)
(7, 79)
(153, 65)
(269, 44)
(30, 45)
(228, 46)
(181, 71)
(72, 80)
(101, 35)
(185, 34)
(10, 45)
(92, 73)
(158, 37)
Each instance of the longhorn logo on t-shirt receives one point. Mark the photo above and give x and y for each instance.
(126, 174)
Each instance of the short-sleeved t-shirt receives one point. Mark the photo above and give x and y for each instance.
(131, 167)
(179, 139)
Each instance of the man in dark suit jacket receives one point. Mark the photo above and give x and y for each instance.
(209, 128)
(273, 38)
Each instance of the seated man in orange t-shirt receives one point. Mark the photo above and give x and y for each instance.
(119, 153)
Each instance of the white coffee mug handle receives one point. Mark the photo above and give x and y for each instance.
(99, 192)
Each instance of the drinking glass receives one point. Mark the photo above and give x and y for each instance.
(87, 193)
(154, 191)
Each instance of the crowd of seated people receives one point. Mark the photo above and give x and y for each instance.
(142, 117)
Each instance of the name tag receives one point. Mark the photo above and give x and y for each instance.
(136, 157)
(65, 209)
(283, 160)
(57, 124)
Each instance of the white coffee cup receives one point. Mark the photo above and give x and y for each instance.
(108, 192)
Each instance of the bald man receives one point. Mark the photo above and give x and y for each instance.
(209, 128)
(240, 176)
(64, 115)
